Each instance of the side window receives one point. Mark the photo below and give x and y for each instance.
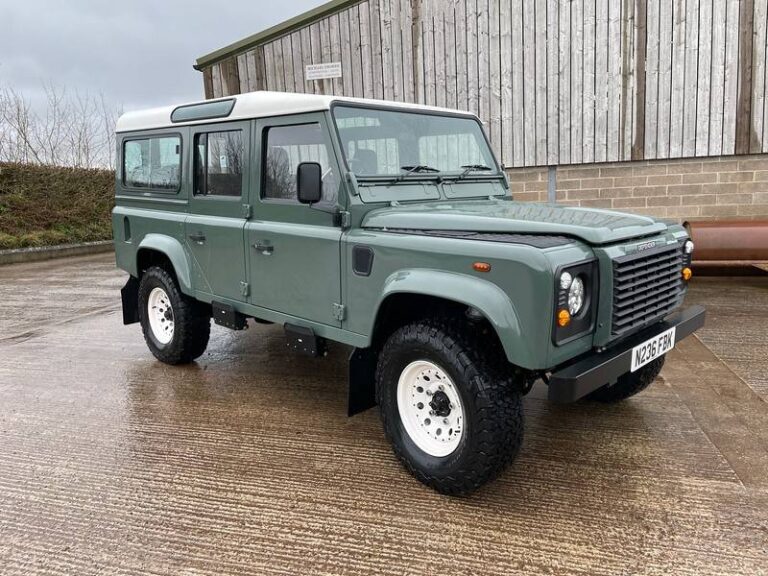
(285, 147)
(219, 163)
(152, 163)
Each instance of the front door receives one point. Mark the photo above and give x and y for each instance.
(214, 229)
(294, 249)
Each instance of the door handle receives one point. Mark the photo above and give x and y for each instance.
(265, 249)
(198, 237)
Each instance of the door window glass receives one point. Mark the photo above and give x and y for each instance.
(219, 163)
(152, 163)
(288, 146)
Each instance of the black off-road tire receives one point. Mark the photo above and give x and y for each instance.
(629, 384)
(490, 396)
(192, 320)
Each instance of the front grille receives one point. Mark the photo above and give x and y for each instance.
(646, 286)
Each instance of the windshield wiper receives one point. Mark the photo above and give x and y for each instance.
(414, 169)
(473, 168)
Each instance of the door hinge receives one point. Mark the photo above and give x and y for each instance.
(245, 288)
(343, 219)
(246, 211)
(339, 311)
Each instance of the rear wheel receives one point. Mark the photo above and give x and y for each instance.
(176, 327)
(629, 384)
(453, 416)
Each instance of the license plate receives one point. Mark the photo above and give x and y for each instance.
(652, 349)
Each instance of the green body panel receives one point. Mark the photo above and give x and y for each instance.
(591, 225)
(442, 267)
(305, 274)
(301, 275)
(151, 229)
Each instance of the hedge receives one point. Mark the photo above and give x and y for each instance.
(50, 205)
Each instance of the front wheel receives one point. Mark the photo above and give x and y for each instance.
(176, 327)
(454, 418)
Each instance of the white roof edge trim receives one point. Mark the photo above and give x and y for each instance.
(259, 105)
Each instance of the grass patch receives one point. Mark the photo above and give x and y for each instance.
(48, 205)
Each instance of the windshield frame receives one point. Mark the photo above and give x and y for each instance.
(496, 173)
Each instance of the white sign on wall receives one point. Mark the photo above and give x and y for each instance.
(322, 71)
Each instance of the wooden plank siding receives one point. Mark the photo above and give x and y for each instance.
(553, 81)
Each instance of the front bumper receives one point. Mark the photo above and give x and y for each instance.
(569, 383)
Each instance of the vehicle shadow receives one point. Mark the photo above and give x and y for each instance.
(251, 389)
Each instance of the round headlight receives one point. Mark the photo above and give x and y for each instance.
(576, 296)
(688, 246)
(565, 280)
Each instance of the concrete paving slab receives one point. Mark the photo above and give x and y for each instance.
(245, 463)
(736, 328)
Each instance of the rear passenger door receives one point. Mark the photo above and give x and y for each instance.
(218, 208)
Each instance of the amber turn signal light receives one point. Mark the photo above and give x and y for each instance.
(481, 267)
(563, 318)
(687, 273)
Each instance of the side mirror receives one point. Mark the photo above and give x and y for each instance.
(309, 182)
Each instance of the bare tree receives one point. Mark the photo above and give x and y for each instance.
(67, 129)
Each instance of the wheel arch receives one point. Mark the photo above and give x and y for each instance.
(410, 295)
(165, 251)
(419, 291)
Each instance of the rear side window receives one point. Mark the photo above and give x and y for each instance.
(219, 163)
(152, 163)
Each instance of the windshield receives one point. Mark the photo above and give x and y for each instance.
(394, 143)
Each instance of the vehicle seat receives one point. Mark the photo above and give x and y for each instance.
(280, 182)
(365, 162)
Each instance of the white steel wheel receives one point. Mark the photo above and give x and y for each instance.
(160, 314)
(430, 408)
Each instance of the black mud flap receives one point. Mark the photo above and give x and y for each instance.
(226, 315)
(129, 294)
(362, 381)
(304, 340)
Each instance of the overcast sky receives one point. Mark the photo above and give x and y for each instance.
(137, 53)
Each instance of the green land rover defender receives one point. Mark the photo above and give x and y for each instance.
(390, 228)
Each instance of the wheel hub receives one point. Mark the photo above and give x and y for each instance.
(430, 408)
(440, 404)
(160, 314)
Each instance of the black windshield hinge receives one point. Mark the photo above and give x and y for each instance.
(343, 219)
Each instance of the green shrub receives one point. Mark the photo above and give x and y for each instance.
(49, 205)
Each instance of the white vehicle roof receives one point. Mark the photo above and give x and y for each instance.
(257, 105)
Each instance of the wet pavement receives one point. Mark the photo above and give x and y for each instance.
(245, 463)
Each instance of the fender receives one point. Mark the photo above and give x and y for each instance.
(175, 252)
(481, 294)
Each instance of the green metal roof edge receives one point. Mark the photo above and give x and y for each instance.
(270, 33)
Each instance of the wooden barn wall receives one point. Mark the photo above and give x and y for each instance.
(554, 81)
